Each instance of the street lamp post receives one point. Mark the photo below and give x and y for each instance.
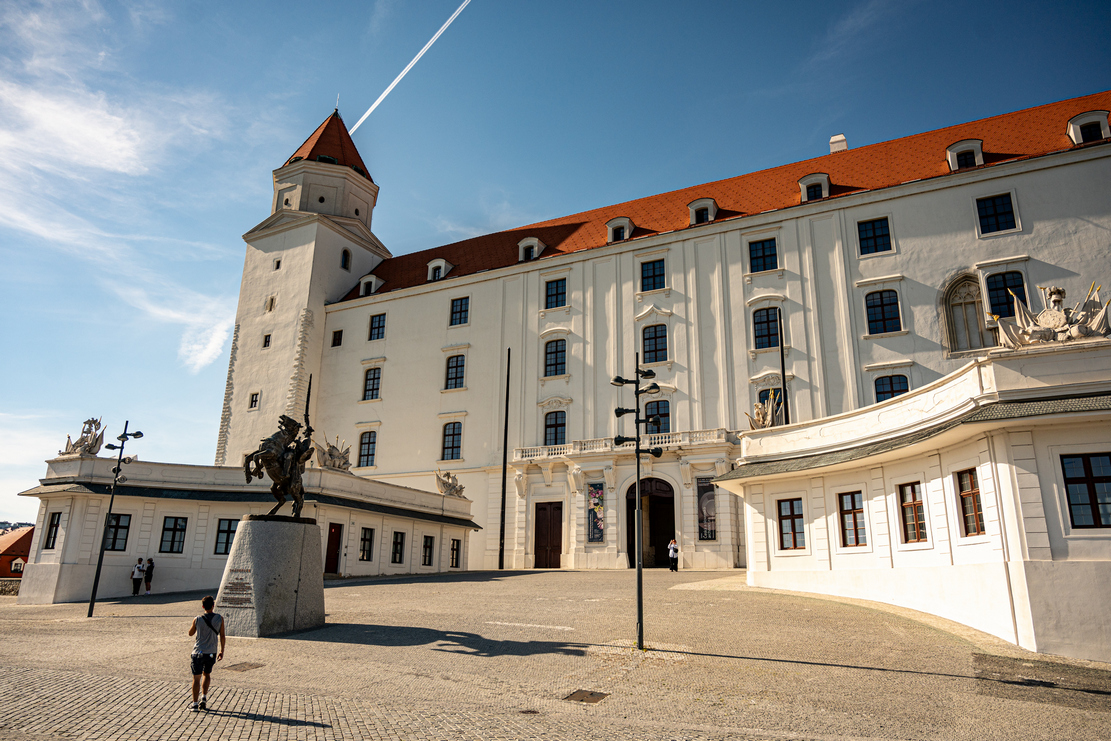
(116, 479)
(651, 388)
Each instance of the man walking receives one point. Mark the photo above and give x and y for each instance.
(207, 627)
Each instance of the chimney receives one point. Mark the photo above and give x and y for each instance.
(838, 143)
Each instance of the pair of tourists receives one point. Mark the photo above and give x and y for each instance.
(141, 573)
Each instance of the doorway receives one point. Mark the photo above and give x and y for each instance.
(335, 542)
(549, 534)
(658, 512)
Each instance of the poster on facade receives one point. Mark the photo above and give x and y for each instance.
(707, 511)
(594, 513)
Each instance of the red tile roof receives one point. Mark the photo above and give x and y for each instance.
(16, 542)
(1011, 136)
(332, 140)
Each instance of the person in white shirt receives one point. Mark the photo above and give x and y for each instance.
(136, 578)
(207, 628)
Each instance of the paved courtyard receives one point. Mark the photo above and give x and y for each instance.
(493, 655)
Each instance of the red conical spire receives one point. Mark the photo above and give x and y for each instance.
(332, 140)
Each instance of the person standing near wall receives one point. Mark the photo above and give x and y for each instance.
(673, 555)
(207, 627)
(148, 574)
(136, 578)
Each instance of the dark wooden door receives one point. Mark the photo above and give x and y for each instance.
(335, 541)
(549, 534)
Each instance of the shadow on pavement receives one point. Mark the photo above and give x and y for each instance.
(458, 577)
(457, 642)
(262, 717)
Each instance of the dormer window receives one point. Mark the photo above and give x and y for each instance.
(326, 159)
(530, 248)
(369, 284)
(619, 229)
(703, 211)
(814, 187)
(1089, 127)
(438, 268)
(965, 153)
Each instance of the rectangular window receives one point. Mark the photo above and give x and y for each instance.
(701, 215)
(618, 233)
(265, 341)
(426, 550)
(397, 553)
(55, 522)
(970, 502)
(996, 213)
(337, 338)
(888, 387)
(456, 552)
(453, 441)
(967, 158)
(377, 327)
(555, 293)
(707, 510)
(874, 236)
(17, 567)
(814, 192)
(460, 310)
(115, 537)
(851, 506)
(455, 372)
(368, 443)
(1003, 289)
(366, 545)
(652, 275)
(765, 325)
(914, 516)
(173, 535)
(655, 343)
(1091, 132)
(253, 404)
(762, 256)
(883, 312)
(372, 383)
(1088, 485)
(555, 358)
(225, 534)
(791, 532)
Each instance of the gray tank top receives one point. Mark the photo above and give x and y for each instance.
(208, 639)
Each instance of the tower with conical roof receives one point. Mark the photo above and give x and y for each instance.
(312, 248)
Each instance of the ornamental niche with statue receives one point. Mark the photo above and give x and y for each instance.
(1056, 323)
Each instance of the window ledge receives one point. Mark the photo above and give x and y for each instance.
(364, 468)
(974, 539)
(452, 460)
(777, 271)
(878, 253)
(370, 401)
(753, 352)
(924, 546)
(881, 335)
(565, 309)
(461, 324)
(1000, 233)
(450, 391)
(665, 292)
(658, 364)
(565, 377)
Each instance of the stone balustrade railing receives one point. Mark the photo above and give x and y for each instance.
(665, 440)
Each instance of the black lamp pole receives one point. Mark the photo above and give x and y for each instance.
(656, 453)
(116, 479)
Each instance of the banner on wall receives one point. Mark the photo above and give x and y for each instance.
(707, 511)
(594, 513)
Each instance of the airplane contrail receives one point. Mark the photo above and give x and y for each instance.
(406, 70)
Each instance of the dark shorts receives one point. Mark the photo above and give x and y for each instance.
(202, 663)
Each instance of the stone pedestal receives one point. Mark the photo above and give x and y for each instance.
(274, 578)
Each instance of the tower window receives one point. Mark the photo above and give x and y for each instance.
(337, 338)
(356, 212)
(277, 264)
(326, 159)
(265, 341)
(253, 404)
(345, 260)
(321, 199)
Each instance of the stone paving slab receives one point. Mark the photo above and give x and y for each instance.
(492, 655)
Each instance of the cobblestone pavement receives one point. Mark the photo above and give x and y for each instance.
(493, 655)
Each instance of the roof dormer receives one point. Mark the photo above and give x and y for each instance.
(619, 229)
(530, 248)
(814, 187)
(369, 284)
(964, 154)
(1089, 127)
(703, 211)
(438, 268)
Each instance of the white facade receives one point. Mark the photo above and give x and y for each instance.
(712, 371)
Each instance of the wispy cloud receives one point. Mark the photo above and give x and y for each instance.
(498, 214)
(846, 33)
(380, 16)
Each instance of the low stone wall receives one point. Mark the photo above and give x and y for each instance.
(10, 587)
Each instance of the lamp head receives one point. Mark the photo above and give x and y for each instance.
(621, 411)
(136, 435)
(618, 381)
(652, 388)
(649, 373)
(110, 446)
(655, 452)
(621, 440)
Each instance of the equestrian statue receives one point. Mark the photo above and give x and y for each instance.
(283, 456)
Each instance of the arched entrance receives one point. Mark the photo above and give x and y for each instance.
(658, 510)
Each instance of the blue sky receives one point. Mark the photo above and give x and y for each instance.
(137, 141)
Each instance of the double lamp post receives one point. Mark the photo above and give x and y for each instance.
(116, 479)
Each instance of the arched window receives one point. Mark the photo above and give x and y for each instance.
(345, 260)
(655, 343)
(890, 386)
(368, 441)
(453, 441)
(455, 372)
(1000, 287)
(966, 317)
(555, 428)
(372, 383)
(659, 409)
(555, 358)
(883, 312)
(765, 326)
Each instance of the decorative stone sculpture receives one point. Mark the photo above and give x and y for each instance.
(764, 414)
(282, 456)
(337, 457)
(575, 478)
(1056, 323)
(92, 437)
(520, 482)
(449, 485)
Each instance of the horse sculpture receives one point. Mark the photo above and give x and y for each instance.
(282, 456)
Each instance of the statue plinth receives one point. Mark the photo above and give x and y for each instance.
(274, 579)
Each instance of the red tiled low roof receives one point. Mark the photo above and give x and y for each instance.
(1011, 136)
(332, 140)
(10, 542)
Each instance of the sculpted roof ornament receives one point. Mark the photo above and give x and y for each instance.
(1056, 323)
(336, 457)
(92, 437)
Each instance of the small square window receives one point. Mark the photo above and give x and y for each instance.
(377, 327)
(555, 293)
(888, 387)
(337, 338)
(965, 159)
(996, 213)
(652, 275)
(265, 341)
(254, 401)
(460, 311)
(875, 236)
(814, 192)
(618, 233)
(762, 256)
(1091, 132)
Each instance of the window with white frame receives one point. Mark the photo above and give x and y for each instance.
(883, 312)
(1003, 290)
(792, 530)
(996, 214)
(888, 387)
(368, 446)
(914, 515)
